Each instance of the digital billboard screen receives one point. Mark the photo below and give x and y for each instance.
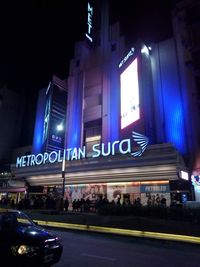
(129, 88)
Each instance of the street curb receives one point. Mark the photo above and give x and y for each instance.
(119, 231)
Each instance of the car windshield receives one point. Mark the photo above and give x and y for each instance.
(23, 219)
(9, 220)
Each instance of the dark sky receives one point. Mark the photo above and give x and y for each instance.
(38, 36)
(36, 40)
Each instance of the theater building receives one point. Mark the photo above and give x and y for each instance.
(117, 127)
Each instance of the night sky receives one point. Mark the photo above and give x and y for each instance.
(38, 36)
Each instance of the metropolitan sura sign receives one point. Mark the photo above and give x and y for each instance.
(122, 147)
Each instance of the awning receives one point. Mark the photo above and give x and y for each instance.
(12, 190)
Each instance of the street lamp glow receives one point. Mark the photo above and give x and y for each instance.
(60, 127)
(145, 50)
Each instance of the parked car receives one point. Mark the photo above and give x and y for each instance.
(24, 243)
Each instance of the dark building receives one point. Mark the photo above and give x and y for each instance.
(11, 116)
(11, 121)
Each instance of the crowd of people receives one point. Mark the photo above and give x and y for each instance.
(156, 200)
(52, 202)
(77, 203)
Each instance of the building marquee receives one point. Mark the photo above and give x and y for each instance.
(122, 147)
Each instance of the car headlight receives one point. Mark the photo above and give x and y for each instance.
(23, 249)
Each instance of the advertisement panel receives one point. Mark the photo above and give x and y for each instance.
(155, 194)
(129, 88)
(115, 192)
(145, 193)
(85, 192)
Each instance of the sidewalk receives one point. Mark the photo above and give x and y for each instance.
(123, 225)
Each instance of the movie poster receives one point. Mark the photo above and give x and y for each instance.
(85, 192)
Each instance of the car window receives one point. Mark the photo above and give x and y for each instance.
(8, 221)
(23, 219)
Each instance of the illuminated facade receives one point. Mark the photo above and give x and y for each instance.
(50, 117)
(185, 19)
(112, 91)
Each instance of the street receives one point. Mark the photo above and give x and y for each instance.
(83, 249)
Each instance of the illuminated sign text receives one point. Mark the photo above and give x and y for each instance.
(122, 147)
(130, 53)
(89, 23)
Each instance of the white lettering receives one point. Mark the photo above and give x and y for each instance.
(89, 23)
(24, 161)
(53, 156)
(89, 37)
(128, 147)
(19, 162)
(95, 149)
(103, 150)
(32, 160)
(28, 160)
(90, 9)
(39, 159)
(59, 156)
(130, 53)
(123, 147)
(81, 153)
(46, 157)
(68, 153)
(113, 146)
(74, 154)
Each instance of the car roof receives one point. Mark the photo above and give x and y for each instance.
(4, 210)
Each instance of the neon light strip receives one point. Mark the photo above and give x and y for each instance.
(127, 232)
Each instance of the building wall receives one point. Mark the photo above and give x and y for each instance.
(95, 87)
(94, 91)
(93, 106)
(39, 122)
(51, 111)
(169, 104)
(74, 111)
(186, 19)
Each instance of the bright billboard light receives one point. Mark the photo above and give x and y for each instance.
(129, 95)
(184, 175)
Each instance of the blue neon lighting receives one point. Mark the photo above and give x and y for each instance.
(175, 131)
(74, 125)
(170, 114)
(173, 106)
(114, 104)
(38, 132)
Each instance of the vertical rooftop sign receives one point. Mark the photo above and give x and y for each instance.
(88, 34)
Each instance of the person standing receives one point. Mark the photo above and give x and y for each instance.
(66, 204)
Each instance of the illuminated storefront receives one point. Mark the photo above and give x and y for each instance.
(124, 123)
(12, 190)
(115, 176)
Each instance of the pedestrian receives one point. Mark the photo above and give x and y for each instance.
(66, 204)
(163, 201)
